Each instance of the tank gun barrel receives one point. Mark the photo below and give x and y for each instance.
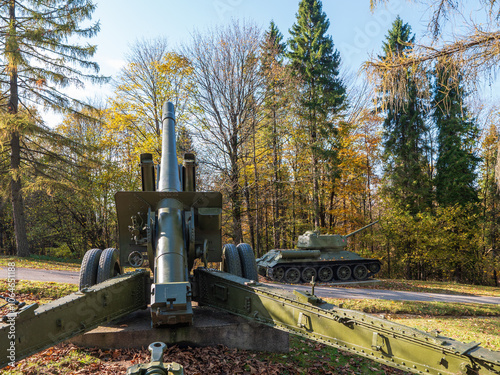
(360, 229)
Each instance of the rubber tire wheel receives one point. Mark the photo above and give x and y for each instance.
(308, 273)
(277, 273)
(247, 260)
(88, 269)
(292, 275)
(360, 272)
(109, 265)
(344, 273)
(374, 267)
(232, 263)
(325, 274)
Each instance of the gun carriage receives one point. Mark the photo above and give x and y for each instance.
(169, 225)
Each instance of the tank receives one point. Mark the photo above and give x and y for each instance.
(320, 256)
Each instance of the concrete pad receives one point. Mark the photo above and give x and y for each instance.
(211, 327)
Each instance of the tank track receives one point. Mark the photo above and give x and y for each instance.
(324, 271)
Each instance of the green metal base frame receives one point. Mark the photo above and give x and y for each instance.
(35, 328)
(366, 335)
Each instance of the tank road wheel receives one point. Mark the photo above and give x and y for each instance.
(109, 265)
(276, 273)
(231, 260)
(247, 259)
(292, 275)
(374, 267)
(88, 269)
(308, 273)
(344, 273)
(325, 274)
(360, 272)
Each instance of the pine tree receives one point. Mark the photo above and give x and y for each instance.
(38, 61)
(457, 137)
(322, 93)
(407, 170)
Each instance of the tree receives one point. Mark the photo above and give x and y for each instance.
(457, 137)
(490, 197)
(38, 61)
(152, 75)
(275, 105)
(226, 74)
(322, 93)
(407, 176)
(472, 53)
(85, 212)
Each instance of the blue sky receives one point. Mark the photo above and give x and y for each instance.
(356, 31)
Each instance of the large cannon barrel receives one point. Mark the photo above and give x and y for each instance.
(170, 259)
(170, 293)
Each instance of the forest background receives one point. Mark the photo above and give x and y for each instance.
(292, 141)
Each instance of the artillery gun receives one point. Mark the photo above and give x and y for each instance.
(322, 257)
(170, 224)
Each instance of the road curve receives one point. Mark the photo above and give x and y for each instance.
(72, 277)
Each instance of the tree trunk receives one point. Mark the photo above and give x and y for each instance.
(250, 219)
(17, 199)
(276, 188)
(315, 184)
(256, 243)
(15, 158)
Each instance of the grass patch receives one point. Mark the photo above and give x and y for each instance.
(465, 329)
(41, 262)
(428, 287)
(40, 290)
(378, 306)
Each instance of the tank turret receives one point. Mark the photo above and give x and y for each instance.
(320, 256)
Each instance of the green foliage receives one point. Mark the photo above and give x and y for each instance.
(457, 140)
(321, 92)
(38, 61)
(407, 179)
(39, 52)
(445, 244)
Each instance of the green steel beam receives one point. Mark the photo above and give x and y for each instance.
(366, 335)
(35, 328)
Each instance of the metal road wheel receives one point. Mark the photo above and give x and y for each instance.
(88, 269)
(231, 260)
(276, 273)
(360, 272)
(292, 275)
(325, 274)
(374, 267)
(109, 265)
(247, 260)
(344, 273)
(308, 273)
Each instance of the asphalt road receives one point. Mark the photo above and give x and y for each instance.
(323, 292)
(332, 292)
